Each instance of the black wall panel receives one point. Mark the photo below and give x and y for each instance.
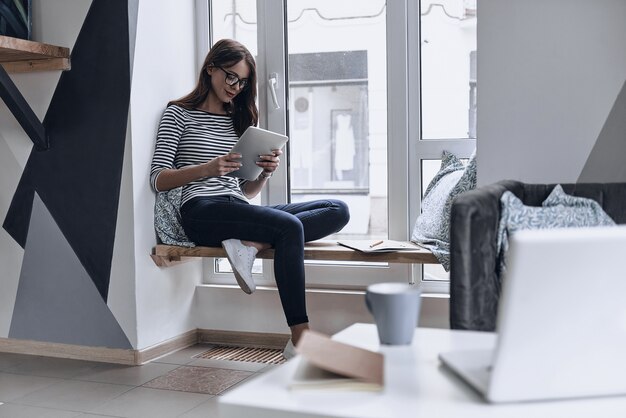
(78, 178)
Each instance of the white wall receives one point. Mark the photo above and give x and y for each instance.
(549, 73)
(164, 69)
(231, 309)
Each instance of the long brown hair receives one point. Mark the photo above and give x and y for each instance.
(243, 110)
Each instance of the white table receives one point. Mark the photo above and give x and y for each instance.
(416, 385)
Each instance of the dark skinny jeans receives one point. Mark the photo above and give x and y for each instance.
(210, 220)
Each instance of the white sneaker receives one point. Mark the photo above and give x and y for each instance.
(241, 258)
(289, 351)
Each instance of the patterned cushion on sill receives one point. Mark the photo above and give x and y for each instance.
(432, 228)
(559, 210)
(167, 221)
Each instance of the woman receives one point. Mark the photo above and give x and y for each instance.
(192, 150)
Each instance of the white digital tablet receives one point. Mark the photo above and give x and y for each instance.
(254, 142)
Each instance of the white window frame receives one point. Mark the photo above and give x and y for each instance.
(405, 152)
(424, 149)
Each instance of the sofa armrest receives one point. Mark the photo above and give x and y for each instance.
(474, 283)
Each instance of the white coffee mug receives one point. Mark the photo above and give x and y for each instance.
(395, 307)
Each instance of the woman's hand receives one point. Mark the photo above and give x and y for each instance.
(220, 166)
(176, 177)
(269, 163)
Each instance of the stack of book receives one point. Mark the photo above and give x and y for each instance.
(329, 364)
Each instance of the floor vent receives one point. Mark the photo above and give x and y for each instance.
(247, 354)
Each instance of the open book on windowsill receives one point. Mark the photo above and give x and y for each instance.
(379, 246)
(329, 364)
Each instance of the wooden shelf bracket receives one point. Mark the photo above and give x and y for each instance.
(22, 111)
(20, 55)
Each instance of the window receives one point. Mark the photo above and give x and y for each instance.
(447, 92)
(448, 68)
(346, 95)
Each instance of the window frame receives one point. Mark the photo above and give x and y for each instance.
(404, 154)
(424, 149)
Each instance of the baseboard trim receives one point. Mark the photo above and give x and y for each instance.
(166, 347)
(133, 357)
(69, 351)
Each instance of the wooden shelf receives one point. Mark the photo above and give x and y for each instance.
(20, 55)
(166, 255)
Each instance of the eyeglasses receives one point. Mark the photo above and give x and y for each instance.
(232, 79)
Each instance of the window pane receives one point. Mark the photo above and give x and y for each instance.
(237, 20)
(432, 271)
(448, 68)
(430, 168)
(337, 108)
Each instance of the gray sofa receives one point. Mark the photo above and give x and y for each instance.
(474, 283)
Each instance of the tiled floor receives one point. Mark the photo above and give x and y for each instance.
(177, 385)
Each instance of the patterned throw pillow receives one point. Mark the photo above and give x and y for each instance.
(432, 228)
(167, 219)
(559, 210)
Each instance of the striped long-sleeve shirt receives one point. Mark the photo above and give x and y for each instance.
(190, 137)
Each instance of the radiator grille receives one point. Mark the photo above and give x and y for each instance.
(247, 354)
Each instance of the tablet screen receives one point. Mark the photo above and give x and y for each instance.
(254, 142)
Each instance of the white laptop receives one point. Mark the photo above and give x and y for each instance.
(561, 320)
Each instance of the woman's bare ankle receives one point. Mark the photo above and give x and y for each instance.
(296, 332)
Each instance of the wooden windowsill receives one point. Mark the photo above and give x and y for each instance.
(20, 55)
(167, 255)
